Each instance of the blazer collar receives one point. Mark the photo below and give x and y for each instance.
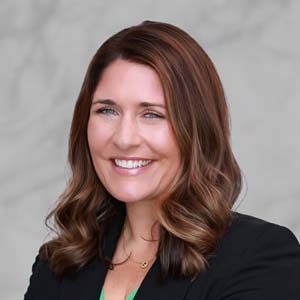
(87, 283)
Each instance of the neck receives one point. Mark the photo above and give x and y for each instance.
(140, 219)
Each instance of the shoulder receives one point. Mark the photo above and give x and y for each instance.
(42, 279)
(246, 230)
(257, 258)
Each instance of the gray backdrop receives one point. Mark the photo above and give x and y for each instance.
(45, 49)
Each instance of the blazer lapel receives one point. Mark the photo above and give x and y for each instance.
(151, 289)
(87, 284)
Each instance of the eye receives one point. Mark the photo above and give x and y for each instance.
(153, 115)
(105, 110)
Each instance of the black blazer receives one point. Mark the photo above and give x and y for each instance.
(255, 260)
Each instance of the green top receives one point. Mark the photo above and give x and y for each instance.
(129, 297)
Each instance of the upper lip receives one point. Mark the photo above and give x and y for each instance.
(131, 158)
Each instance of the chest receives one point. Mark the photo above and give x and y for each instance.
(122, 281)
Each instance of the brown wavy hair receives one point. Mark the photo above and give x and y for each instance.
(198, 209)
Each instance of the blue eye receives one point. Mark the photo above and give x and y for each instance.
(154, 115)
(104, 110)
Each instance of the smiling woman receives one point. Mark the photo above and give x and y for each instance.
(147, 212)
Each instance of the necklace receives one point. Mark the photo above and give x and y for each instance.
(143, 264)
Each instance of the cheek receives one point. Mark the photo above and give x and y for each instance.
(96, 134)
(91, 133)
(164, 141)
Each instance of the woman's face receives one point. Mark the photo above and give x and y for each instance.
(121, 127)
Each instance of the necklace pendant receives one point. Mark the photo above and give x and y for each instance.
(144, 264)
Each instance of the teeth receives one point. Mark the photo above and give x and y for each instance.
(129, 164)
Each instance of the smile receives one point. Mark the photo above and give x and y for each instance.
(131, 164)
(131, 167)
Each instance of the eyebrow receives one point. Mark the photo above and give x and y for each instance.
(112, 102)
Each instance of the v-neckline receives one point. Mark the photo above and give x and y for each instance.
(129, 297)
(110, 248)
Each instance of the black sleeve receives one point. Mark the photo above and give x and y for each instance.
(43, 284)
(28, 294)
(270, 269)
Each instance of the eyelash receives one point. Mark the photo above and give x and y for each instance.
(102, 110)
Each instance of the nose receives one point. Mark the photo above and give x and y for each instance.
(127, 133)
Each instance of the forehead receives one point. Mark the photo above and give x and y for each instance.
(124, 80)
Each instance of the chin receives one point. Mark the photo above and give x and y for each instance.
(127, 198)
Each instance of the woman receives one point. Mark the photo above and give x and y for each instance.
(147, 213)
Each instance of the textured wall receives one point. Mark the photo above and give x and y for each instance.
(45, 49)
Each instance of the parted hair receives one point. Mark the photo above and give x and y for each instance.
(197, 210)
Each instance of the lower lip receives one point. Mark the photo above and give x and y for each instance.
(133, 171)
